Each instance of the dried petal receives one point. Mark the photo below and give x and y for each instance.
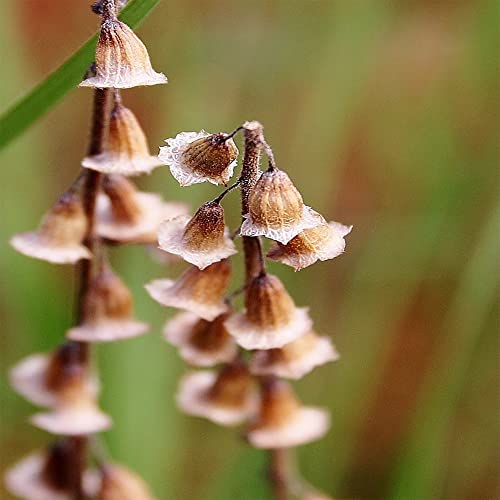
(201, 240)
(121, 59)
(276, 209)
(200, 342)
(319, 243)
(195, 157)
(126, 151)
(59, 238)
(271, 319)
(296, 359)
(200, 292)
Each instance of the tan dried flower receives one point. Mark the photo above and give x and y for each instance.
(201, 240)
(121, 59)
(120, 483)
(107, 311)
(36, 376)
(226, 398)
(295, 359)
(126, 151)
(283, 422)
(126, 215)
(59, 238)
(195, 157)
(270, 319)
(200, 292)
(47, 474)
(276, 209)
(200, 342)
(323, 242)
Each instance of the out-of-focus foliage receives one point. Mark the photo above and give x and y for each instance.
(384, 114)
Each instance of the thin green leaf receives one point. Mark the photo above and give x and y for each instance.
(49, 92)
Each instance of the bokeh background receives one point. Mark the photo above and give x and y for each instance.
(384, 114)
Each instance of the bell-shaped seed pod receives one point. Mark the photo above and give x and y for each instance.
(200, 292)
(195, 157)
(75, 410)
(323, 242)
(283, 422)
(276, 209)
(107, 311)
(270, 319)
(121, 59)
(120, 483)
(38, 377)
(227, 398)
(60, 235)
(201, 342)
(125, 215)
(296, 359)
(48, 474)
(201, 240)
(126, 151)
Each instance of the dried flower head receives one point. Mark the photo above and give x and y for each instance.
(107, 311)
(199, 156)
(201, 342)
(323, 242)
(120, 483)
(121, 59)
(126, 215)
(37, 377)
(126, 151)
(270, 319)
(226, 398)
(47, 474)
(201, 240)
(276, 209)
(59, 238)
(283, 422)
(200, 292)
(295, 359)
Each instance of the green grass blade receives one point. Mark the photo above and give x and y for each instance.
(49, 92)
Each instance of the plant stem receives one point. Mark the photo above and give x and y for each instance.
(90, 190)
(254, 140)
(254, 266)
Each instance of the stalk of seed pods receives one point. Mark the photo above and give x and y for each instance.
(271, 339)
(101, 206)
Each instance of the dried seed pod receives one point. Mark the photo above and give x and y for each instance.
(201, 240)
(125, 215)
(47, 474)
(283, 422)
(121, 59)
(276, 209)
(120, 483)
(199, 156)
(318, 243)
(36, 376)
(107, 311)
(270, 319)
(227, 398)
(126, 151)
(200, 342)
(295, 359)
(59, 238)
(200, 292)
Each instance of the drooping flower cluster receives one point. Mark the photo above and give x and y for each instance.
(102, 206)
(278, 335)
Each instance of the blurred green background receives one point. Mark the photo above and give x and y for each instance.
(385, 116)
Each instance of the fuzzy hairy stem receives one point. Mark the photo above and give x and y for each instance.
(254, 140)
